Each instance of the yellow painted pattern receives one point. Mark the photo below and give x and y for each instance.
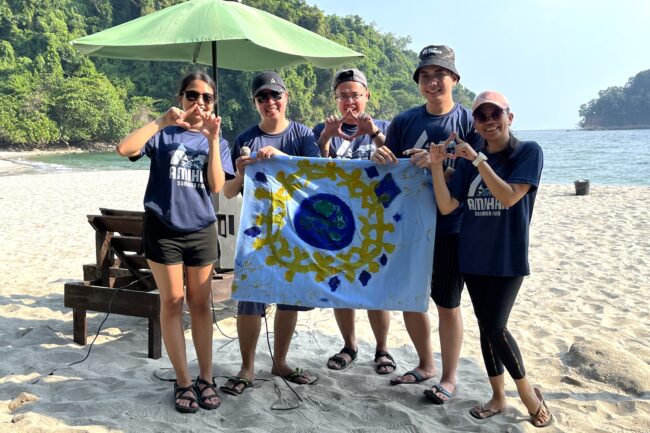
(323, 264)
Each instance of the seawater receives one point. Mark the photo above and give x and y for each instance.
(602, 157)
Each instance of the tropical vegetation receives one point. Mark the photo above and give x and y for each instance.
(50, 95)
(626, 107)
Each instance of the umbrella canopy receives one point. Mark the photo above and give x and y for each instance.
(219, 33)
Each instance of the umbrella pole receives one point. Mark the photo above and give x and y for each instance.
(214, 76)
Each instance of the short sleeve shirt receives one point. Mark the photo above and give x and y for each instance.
(494, 238)
(177, 191)
(416, 128)
(296, 140)
(361, 147)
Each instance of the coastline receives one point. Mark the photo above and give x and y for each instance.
(590, 273)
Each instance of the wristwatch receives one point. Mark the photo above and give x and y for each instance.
(479, 159)
(375, 134)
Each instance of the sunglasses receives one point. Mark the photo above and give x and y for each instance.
(480, 116)
(267, 96)
(192, 96)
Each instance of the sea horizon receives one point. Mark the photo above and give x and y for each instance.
(569, 155)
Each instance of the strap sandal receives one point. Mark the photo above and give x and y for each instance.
(179, 392)
(340, 362)
(204, 399)
(384, 367)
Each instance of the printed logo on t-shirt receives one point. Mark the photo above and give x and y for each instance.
(480, 199)
(187, 170)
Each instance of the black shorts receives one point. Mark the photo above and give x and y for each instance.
(167, 246)
(446, 280)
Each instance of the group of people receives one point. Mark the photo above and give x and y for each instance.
(484, 181)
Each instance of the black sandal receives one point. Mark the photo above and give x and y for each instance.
(203, 398)
(178, 395)
(391, 363)
(340, 361)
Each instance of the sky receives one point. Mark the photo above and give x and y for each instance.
(547, 56)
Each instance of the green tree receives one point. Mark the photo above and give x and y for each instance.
(619, 107)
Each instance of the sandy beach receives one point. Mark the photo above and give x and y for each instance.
(581, 320)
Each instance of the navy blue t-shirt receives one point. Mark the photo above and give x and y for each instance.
(296, 140)
(494, 239)
(361, 147)
(416, 128)
(177, 190)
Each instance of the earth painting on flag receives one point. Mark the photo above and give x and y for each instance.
(336, 233)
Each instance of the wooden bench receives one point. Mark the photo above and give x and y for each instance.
(121, 282)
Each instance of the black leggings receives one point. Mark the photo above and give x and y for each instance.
(493, 298)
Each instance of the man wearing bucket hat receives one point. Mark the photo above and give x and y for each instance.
(354, 135)
(409, 135)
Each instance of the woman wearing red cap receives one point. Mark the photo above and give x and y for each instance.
(498, 184)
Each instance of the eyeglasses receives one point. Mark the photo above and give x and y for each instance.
(437, 77)
(480, 116)
(192, 96)
(352, 98)
(267, 96)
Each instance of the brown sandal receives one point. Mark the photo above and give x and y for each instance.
(482, 412)
(535, 417)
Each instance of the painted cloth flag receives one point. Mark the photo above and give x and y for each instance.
(336, 233)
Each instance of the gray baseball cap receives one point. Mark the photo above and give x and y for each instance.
(437, 55)
(349, 75)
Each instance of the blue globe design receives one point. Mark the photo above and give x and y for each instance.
(325, 221)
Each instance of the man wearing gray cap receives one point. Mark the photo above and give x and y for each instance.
(354, 135)
(409, 135)
(273, 135)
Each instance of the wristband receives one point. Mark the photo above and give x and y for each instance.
(375, 134)
(479, 159)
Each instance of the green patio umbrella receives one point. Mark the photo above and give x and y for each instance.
(219, 33)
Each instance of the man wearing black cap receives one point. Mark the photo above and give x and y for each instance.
(409, 135)
(273, 135)
(354, 135)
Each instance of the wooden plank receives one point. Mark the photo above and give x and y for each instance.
(125, 225)
(136, 261)
(125, 301)
(120, 212)
(79, 326)
(90, 270)
(127, 243)
(154, 349)
(103, 255)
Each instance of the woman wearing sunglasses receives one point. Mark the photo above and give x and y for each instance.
(188, 160)
(498, 184)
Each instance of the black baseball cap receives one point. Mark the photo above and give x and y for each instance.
(267, 80)
(437, 55)
(349, 75)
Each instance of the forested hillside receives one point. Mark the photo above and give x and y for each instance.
(624, 107)
(51, 96)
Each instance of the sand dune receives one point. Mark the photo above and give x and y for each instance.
(590, 259)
